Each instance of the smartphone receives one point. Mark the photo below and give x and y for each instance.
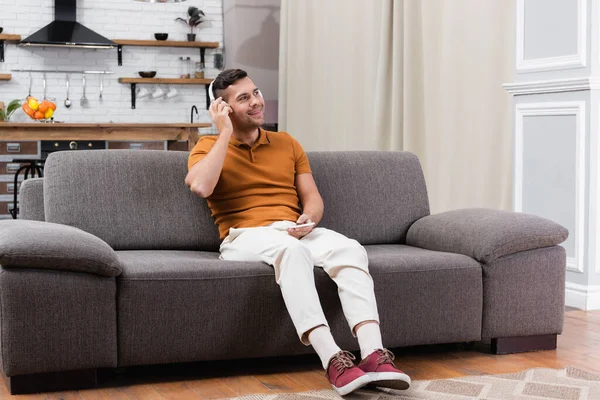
(285, 228)
(302, 225)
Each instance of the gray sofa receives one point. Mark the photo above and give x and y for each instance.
(114, 264)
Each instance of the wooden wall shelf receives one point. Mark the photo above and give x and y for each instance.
(166, 43)
(163, 43)
(10, 38)
(5, 77)
(166, 81)
(7, 38)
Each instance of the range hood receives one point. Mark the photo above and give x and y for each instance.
(65, 31)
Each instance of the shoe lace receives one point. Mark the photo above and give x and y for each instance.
(342, 360)
(385, 357)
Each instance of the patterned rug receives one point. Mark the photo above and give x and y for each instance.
(537, 383)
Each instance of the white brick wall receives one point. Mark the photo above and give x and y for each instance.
(114, 19)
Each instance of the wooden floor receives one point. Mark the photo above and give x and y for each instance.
(578, 346)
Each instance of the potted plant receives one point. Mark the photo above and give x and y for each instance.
(195, 18)
(12, 107)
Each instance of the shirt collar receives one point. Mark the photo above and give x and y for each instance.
(263, 138)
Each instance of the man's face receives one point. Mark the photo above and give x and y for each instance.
(247, 104)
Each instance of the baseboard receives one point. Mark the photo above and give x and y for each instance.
(582, 297)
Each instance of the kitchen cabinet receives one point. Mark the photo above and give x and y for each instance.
(136, 145)
(177, 145)
(9, 167)
(33, 131)
(13, 150)
(5, 208)
(18, 148)
(8, 188)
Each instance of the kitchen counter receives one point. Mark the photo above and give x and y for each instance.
(101, 131)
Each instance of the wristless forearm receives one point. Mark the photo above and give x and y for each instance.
(314, 209)
(203, 176)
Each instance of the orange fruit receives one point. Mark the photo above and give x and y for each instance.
(44, 106)
(38, 115)
(52, 105)
(28, 110)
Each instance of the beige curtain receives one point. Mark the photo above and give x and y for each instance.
(418, 75)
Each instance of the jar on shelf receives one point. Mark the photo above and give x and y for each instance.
(186, 68)
(199, 72)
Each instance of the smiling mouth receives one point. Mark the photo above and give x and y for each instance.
(257, 112)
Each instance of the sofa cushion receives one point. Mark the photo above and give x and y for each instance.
(36, 244)
(183, 306)
(130, 199)
(179, 306)
(426, 297)
(370, 196)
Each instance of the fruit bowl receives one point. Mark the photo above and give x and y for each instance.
(147, 74)
(39, 110)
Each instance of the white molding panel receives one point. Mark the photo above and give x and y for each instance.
(570, 61)
(577, 109)
(582, 297)
(552, 86)
(594, 195)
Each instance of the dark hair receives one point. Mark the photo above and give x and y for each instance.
(226, 79)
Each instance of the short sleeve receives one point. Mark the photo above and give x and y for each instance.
(200, 150)
(301, 160)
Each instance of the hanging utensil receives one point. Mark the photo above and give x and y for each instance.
(84, 100)
(44, 84)
(101, 86)
(67, 100)
(30, 84)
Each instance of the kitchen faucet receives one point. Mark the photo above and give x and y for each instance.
(192, 114)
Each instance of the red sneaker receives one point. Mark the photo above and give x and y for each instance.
(344, 376)
(379, 367)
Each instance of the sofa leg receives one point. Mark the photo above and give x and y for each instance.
(520, 344)
(52, 381)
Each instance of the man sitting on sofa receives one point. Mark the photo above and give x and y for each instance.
(253, 181)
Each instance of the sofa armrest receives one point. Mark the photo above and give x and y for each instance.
(44, 245)
(484, 234)
(31, 199)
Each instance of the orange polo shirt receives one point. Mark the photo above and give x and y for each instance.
(257, 184)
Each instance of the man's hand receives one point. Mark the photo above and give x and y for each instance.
(299, 233)
(219, 112)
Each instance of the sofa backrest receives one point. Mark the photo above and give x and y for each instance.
(138, 199)
(370, 196)
(133, 200)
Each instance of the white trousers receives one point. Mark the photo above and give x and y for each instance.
(343, 259)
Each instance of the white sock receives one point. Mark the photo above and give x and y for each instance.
(369, 339)
(321, 340)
